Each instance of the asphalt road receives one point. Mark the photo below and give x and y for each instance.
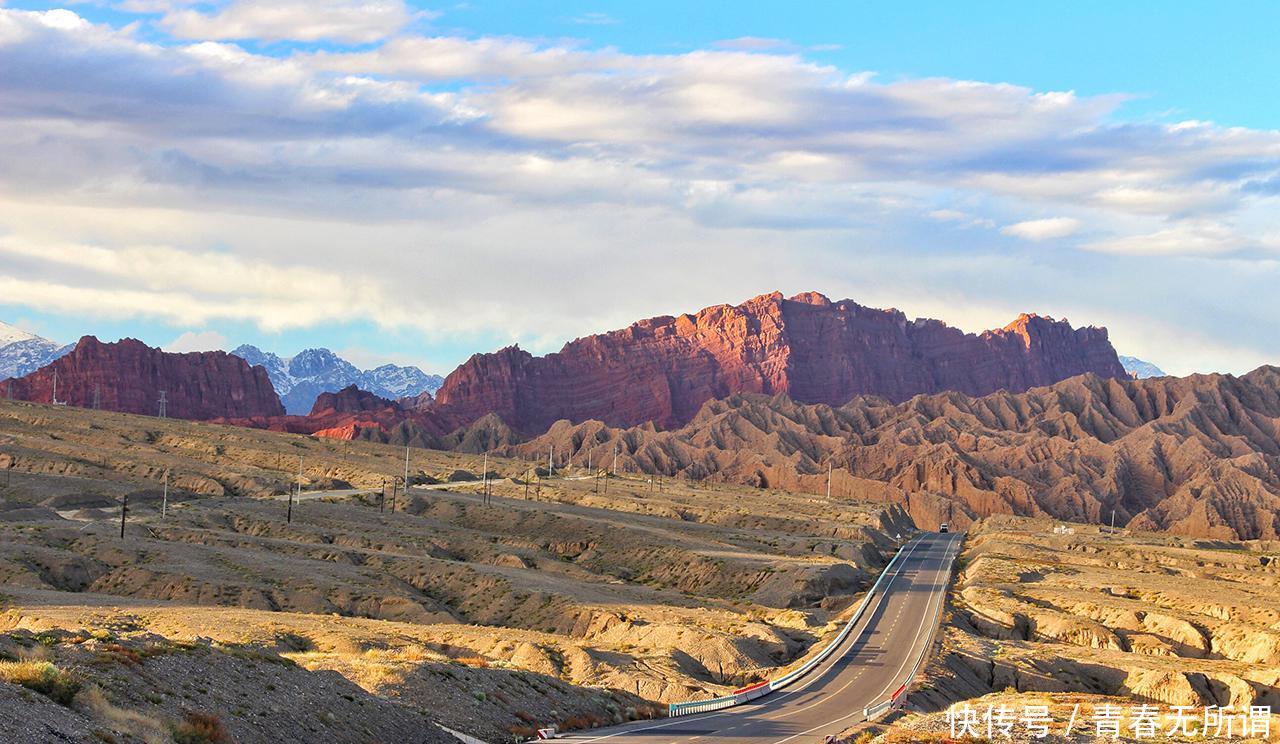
(875, 660)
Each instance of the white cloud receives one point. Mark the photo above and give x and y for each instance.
(1184, 238)
(197, 341)
(961, 218)
(755, 44)
(352, 21)
(1043, 229)
(538, 190)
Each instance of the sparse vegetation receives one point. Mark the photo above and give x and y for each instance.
(43, 677)
(200, 728)
(472, 613)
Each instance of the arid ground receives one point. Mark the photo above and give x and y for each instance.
(565, 599)
(1047, 613)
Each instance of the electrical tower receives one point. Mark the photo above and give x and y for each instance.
(164, 404)
(97, 397)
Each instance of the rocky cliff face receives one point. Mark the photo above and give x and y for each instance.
(1197, 455)
(350, 399)
(814, 350)
(129, 376)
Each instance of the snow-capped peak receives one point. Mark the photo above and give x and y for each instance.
(12, 334)
(22, 353)
(300, 378)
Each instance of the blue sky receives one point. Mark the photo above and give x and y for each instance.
(414, 183)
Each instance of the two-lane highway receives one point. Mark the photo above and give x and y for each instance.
(873, 662)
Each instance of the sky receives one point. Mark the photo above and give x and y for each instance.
(414, 183)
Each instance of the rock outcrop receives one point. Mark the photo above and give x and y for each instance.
(1198, 455)
(814, 350)
(350, 399)
(129, 376)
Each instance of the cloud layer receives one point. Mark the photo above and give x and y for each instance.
(541, 190)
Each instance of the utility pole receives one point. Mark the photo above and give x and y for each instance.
(828, 480)
(382, 496)
(289, 516)
(164, 504)
(97, 397)
(124, 510)
(527, 477)
(55, 392)
(485, 482)
(611, 472)
(551, 453)
(406, 468)
(1113, 521)
(164, 404)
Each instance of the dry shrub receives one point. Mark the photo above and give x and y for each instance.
(151, 730)
(525, 716)
(116, 652)
(43, 677)
(200, 728)
(582, 721)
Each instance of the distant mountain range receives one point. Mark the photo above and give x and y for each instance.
(815, 350)
(22, 352)
(299, 379)
(1140, 369)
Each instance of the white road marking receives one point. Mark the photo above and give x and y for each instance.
(941, 596)
(813, 677)
(884, 596)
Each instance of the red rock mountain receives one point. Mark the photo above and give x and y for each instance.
(350, 399)
(129, 376)
(1197, 455)
(814, 350)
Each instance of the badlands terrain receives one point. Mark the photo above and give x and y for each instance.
(1196, 455)
(1085, 615)
(563, 599)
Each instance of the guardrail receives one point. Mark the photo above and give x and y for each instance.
(880, 708)
(761, 689)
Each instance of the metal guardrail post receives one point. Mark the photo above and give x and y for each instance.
(727, 701)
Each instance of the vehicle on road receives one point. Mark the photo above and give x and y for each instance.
(943, 529)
